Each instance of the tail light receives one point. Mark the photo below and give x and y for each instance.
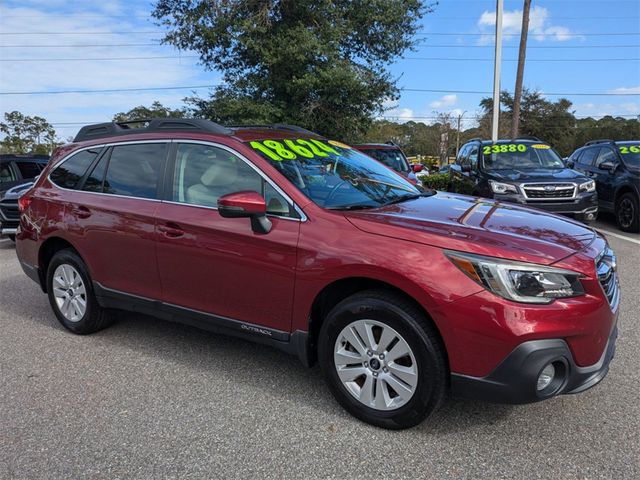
(24, 201)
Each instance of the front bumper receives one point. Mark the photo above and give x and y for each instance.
(514, 380)
(581, 207)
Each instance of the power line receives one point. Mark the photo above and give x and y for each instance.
(93, 59)
(438, 59)
(577, 35)
(196, 87)
(447, 59)
(160, 32)
(158, 44)
(155, 44)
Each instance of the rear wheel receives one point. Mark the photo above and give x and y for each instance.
(383, 360)
(627, 213)
(71, 294)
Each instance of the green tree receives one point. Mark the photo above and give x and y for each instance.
(25, 134)
(320, 64)
(156, 110)
(553, 122)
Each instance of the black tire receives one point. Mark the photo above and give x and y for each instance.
(95, 317)
(407, 320)
(627, 214)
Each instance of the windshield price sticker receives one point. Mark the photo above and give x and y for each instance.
(504, 148)
(632, 149)
(541, 146)
(279, 150)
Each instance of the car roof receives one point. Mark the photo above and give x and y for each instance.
(10, 157)
(508, 140)
(176, 126)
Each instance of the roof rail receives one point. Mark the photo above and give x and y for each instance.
(475, 139)
(150, 125)
(528, 137)
(602, 140)
(276, 126)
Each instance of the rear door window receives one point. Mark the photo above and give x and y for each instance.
(6, 173)
(29, 169)
(69, 173)
(134, 170)
(588, 156)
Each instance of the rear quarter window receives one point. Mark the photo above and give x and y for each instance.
(70, 171)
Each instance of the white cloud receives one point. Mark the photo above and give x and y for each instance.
(87, 75)
(539, 26)
(400, 114)
(444, 101)
(626, 90)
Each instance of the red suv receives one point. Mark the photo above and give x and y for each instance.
(281, 236)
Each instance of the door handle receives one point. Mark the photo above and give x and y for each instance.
(81, 211)
(171, 230)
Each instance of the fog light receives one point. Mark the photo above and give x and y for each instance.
(590, 216)
(546, 377)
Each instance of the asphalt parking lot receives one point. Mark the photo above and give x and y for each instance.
(151, 399)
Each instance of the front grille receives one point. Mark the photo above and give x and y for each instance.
(608, 277)
(543, 191)
(10, 211)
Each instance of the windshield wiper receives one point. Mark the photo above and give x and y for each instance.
(405, 198)
(355, 206)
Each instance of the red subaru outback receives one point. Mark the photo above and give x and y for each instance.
(281, 236)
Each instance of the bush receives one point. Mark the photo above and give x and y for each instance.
(445, 182)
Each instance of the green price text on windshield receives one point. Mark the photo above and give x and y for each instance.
(288, 149)
(504, 148)
(632, 149)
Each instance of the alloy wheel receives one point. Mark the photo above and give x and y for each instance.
(376, 365)
(626, 213)
(69, 292)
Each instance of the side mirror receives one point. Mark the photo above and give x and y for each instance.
(465, 168)
(608, 165)
(570, 164)
(246, 204)
(417, 168)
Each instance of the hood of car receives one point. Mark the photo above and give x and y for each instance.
(478, 225)
(537, 175)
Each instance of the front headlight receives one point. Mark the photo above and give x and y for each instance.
(498, 187)
(589, 186)
(520, 282)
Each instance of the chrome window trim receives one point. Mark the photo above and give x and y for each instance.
(534, 186)
(303, 216)
(296, 207)
(102, 145)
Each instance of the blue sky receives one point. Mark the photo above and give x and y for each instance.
(585, 46)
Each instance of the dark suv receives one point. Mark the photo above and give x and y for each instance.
(15, 171)
(393, 157)
(278, 235)
(526, 171)
(615, 167)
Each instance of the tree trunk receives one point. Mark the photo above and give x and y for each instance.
(515, 121)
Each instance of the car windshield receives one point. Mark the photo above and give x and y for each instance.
(520, 156)
(392, 158)
(630, 153)
(334, 175)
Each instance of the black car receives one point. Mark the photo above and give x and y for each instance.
(615, 167)
(15, 170)
(526, 171)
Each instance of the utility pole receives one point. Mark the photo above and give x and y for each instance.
(458, 134)
(517, 96)
(496, 71)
